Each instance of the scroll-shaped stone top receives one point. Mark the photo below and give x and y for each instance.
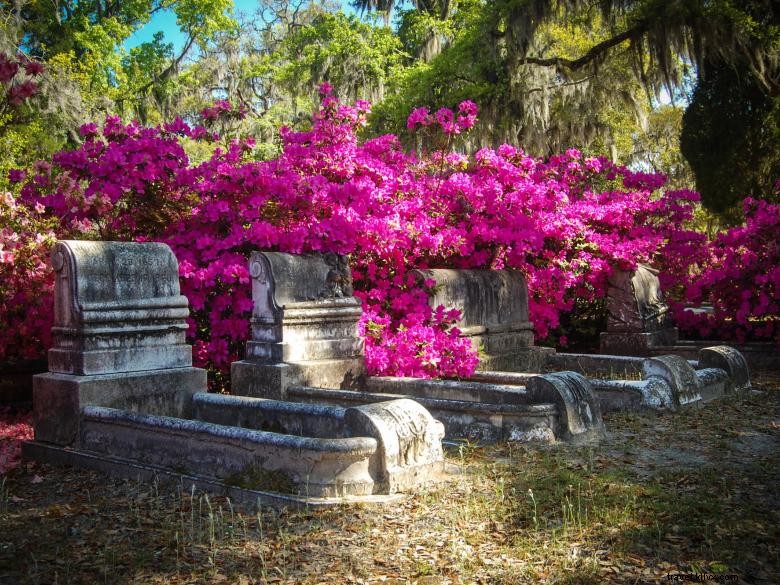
(492, 300)
(112, 278)
(280, 280)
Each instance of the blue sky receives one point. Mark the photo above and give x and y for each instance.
(165, 21)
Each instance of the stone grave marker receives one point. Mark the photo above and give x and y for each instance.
(638, 316)
(304, 325)
(118, 337)
(494, 315)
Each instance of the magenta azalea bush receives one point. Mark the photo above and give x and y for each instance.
(18, 78)
(26, 281)
(740, 278)
(565, 222)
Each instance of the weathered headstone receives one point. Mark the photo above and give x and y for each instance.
(638, 316)
(118, 337)
(117, 308)
(494, 315)
(304, 325)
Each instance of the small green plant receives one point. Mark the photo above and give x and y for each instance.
(423, 568)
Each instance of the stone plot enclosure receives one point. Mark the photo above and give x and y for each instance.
(521, 392)
(547, 408)
(313, 451)
(121, 395)
(305, 348)
(494, 308)
(661, 382)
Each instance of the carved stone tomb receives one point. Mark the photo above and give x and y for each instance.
(304, 325)
(118, 337)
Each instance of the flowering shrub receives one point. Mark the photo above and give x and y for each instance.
(449, 125)
(564, 222)
(222, 118)
(17, 76)
(124, 182)
(25, 280)
(741, 279)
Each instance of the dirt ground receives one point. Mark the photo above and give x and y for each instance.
(692, 494)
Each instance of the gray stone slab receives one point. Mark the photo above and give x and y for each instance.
(495, 300)
(669, 383)
(289, 418)
(249, 498)
(117, 308)
(410, 451)
(475, 421)
(678, 373)
(287, 279)
(59, 398)
(463, 390)
(635, 302)
(714, 383)
(388, 447)
(637, 343)
(501, 377)
(559, 406)
(519, 359)
(271, 380)
(637, 314)
(613, 395)
(757, 355)
(384, 447)
(304, 308)
(127, 359)
(617, 395)
(596, 365)
(493, 305)
(244, 457)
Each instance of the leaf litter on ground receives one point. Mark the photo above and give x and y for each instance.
(687, 492)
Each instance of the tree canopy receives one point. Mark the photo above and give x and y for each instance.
(547, 74)
(553, 72)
